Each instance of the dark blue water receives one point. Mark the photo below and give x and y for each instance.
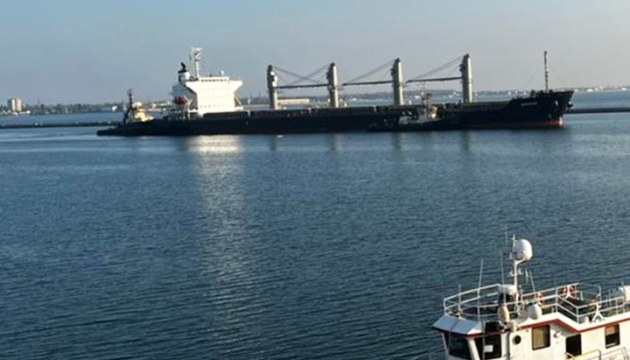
(292, 247)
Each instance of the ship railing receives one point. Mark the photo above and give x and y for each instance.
(285, 113)
(481, 304)
(588, 306)
(621, 353)
(346, 111)
(472, 303)
(579, 302)
(591, 355)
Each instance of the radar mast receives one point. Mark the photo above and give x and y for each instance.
(195, 57)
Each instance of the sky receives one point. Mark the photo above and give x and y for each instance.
(69, 51)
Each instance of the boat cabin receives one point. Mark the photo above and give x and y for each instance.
(501, 321)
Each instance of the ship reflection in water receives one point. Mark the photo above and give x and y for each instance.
(214, 144)
(231, 144)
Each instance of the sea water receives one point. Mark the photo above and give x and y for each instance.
(327, 246)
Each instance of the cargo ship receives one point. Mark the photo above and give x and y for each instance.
(208, 105)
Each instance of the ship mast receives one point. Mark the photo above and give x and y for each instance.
(467, 79)
(129, 110)
(546, 73)
(333, 85)
(195, 56)
(521, 252)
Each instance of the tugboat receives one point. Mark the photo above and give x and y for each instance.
(504, 321)
(135, 111)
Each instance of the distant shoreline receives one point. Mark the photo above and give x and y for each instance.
(258, 102)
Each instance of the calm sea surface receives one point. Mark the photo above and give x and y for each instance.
(334, 246)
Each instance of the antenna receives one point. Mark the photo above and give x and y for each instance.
(546, 73)
(522, 252)
(195, 56)
(531, 279)
(502, 271)
(506, 244)
(129, 109)
(515, 262)
(480, 273)
(479, 286)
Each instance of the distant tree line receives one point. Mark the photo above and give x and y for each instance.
(79, 108)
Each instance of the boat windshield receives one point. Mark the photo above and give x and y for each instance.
(458, 347)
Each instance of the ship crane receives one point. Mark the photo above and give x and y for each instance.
(396, 81)
(465, 69)
(332, 83)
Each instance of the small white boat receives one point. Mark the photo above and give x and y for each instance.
(504, 321)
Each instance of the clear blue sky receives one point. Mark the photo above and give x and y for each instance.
(92, 51)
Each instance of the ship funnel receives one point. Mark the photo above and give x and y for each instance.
(183, 74)
(467, 79)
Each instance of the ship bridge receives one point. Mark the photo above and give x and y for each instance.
(198, 95)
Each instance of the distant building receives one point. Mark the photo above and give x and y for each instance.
(15, 105)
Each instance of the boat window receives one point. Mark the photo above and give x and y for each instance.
(489, 347)
(540, 337)
(458, 347)
(612, 336)
(574, 345)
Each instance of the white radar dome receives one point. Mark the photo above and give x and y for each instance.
(523, 250)
(534, 311)
(506, 289)
(623, 292)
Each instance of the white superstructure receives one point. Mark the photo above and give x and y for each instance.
(196, 95)
(504, 321)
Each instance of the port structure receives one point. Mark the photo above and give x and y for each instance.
(397, 81)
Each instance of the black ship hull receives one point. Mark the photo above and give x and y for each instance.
(540, 110)
(543, 109)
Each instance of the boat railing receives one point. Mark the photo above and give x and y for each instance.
(591, 355)
(472, 303)
(588, 305)
(621, 353)
(579, 302)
